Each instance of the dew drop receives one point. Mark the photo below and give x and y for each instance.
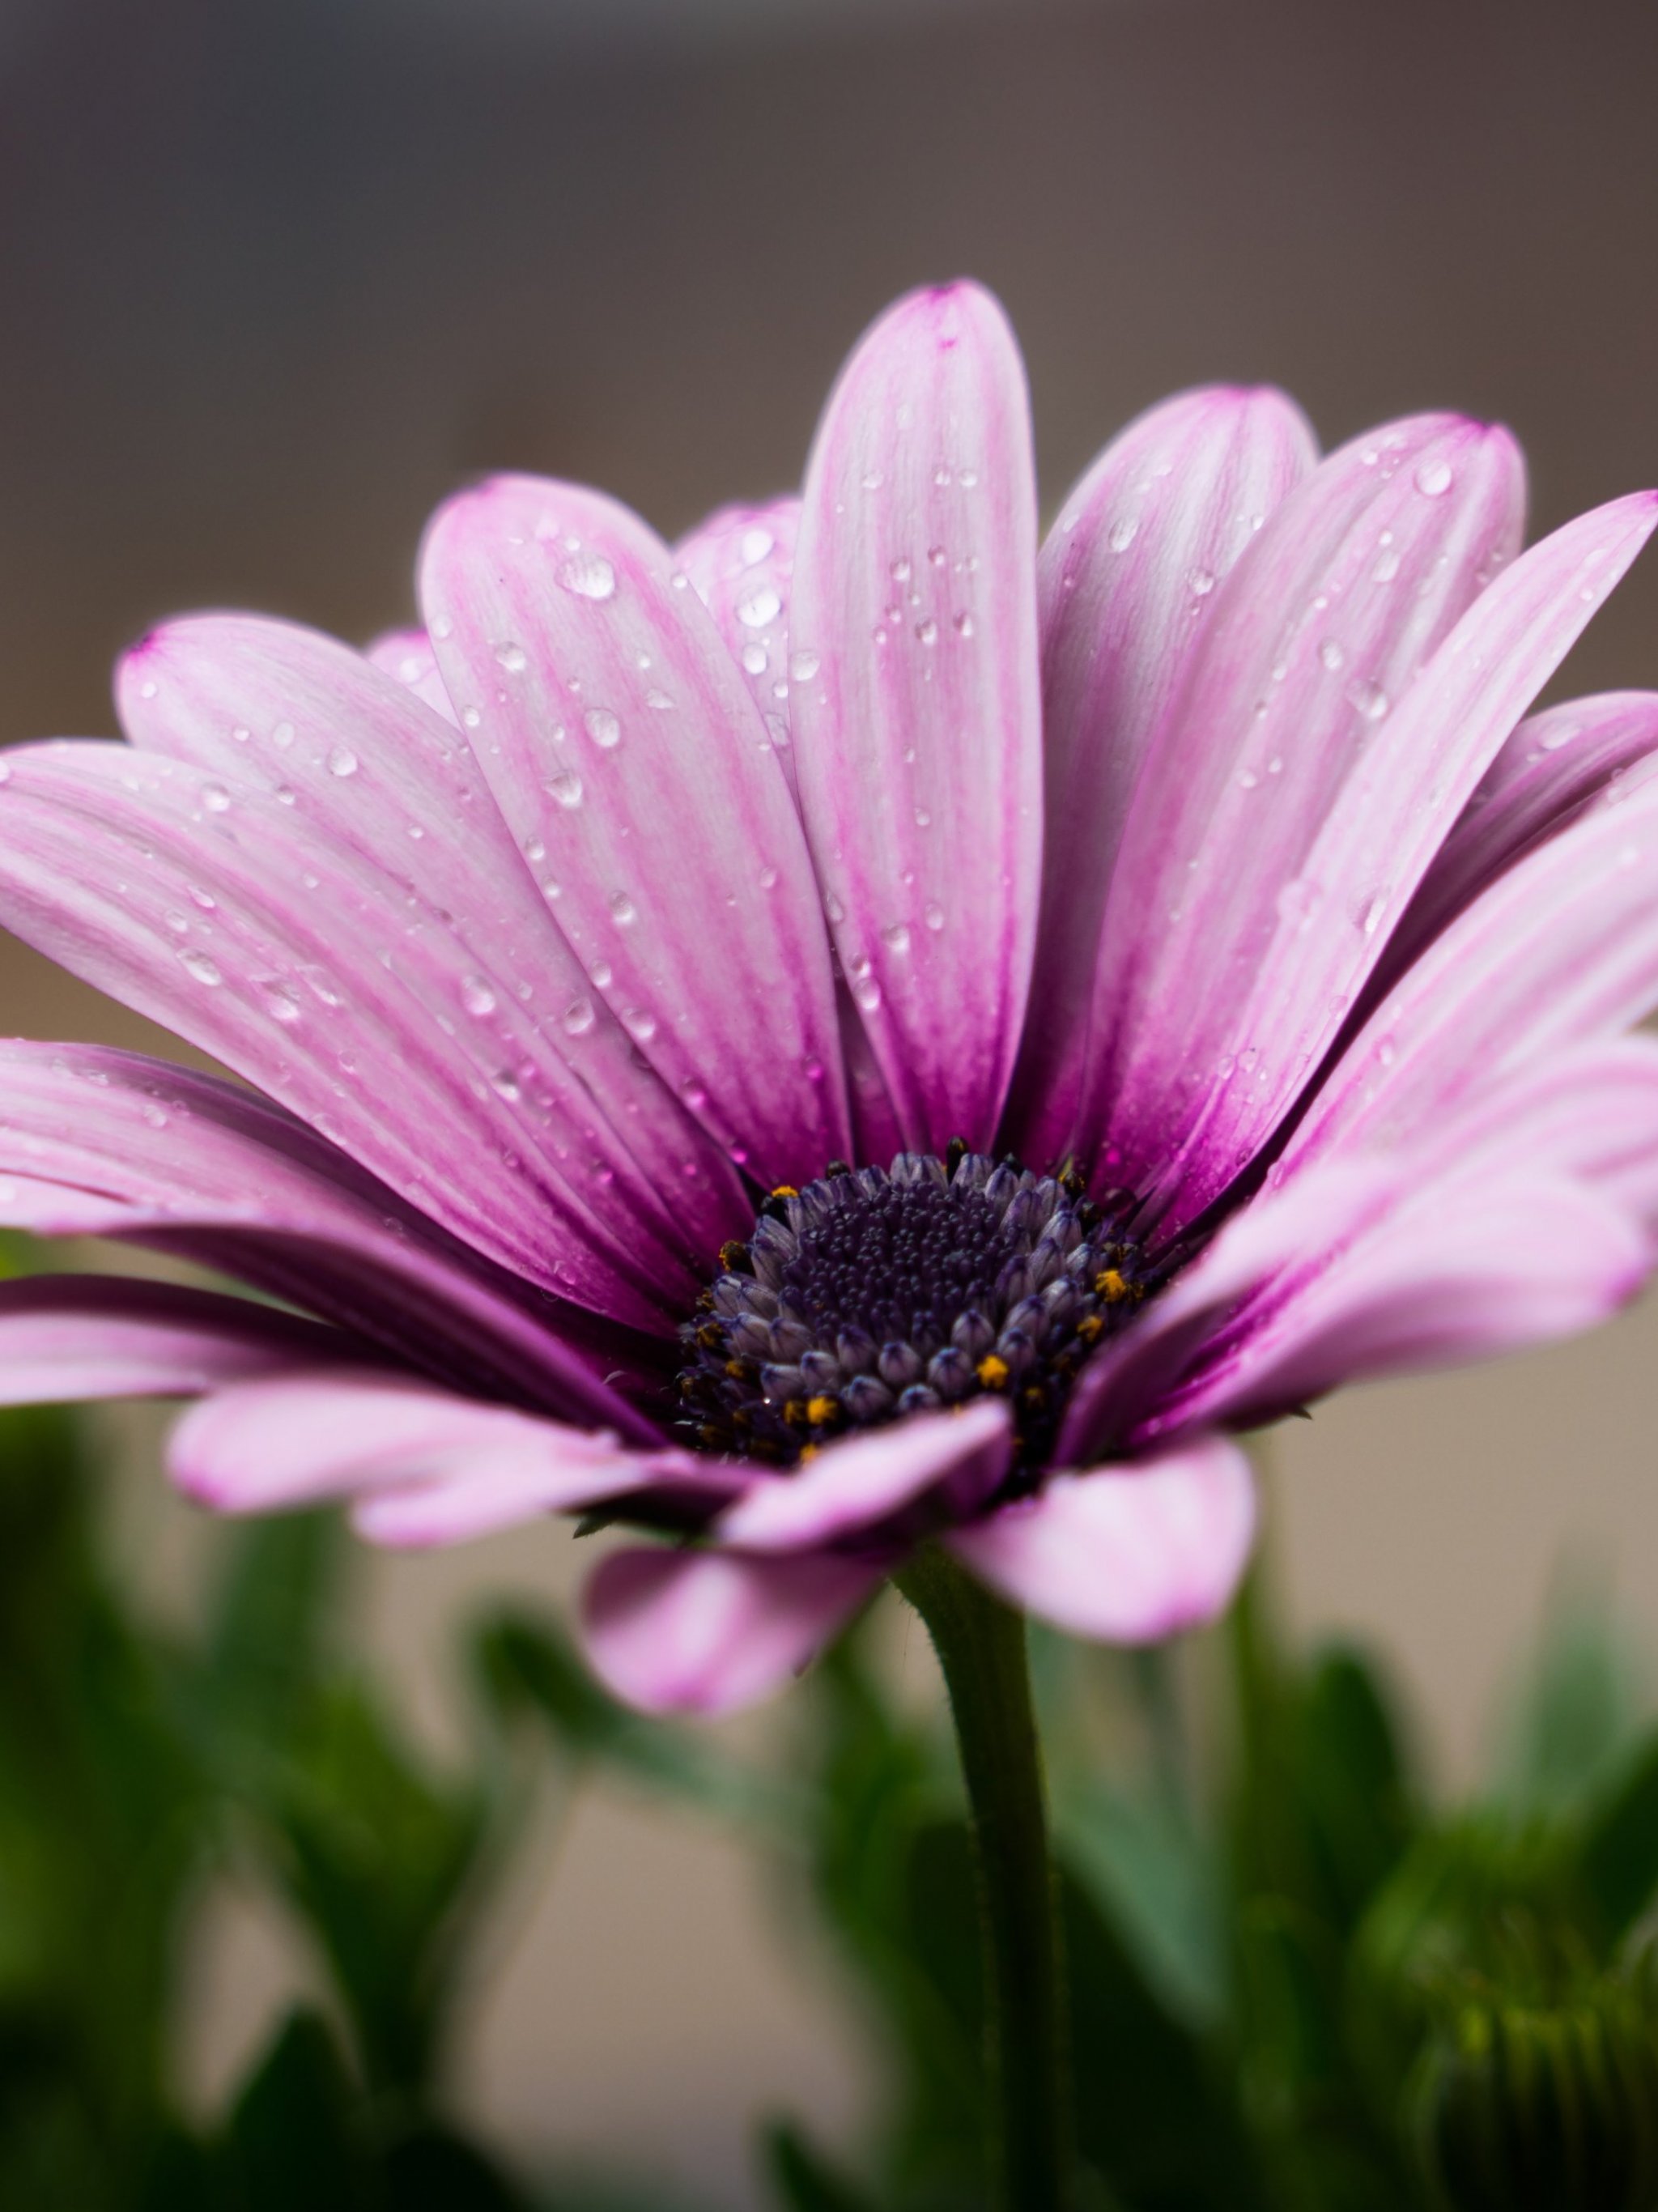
(601, 971)
(1332, 655)
(203, 969)
(1434, 478)
(535, 851)
(1123, 534)
(923, 819)
(622, 909)
(900, 571)
(1370, 700)
(867, 992)
(927, 631)
(895, 937)
(1199, 582)
(566, 788)
(216, 799)
(589, 575)
(477, 997)
(639, 1025)
(513, 658)
(755, 546)
(579, 1016)
(756, 609)
(505, 1086)
(754, 659)
(286, 794)
(963, 625)
(658, 701)
(281, 1002)
(1297, 902)
(282, 736)
(342, 761)
(602, 727)
(804, 665)
(933, 915)
(767, 879)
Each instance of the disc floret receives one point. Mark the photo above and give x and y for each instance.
(875, 1293)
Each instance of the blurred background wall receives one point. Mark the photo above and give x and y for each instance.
(274, 274)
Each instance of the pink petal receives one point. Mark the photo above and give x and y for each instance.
(94, 1142)
(1126, 582)
(408, 655)
(858, 1486)
(1555, 765)
(710, 1632)
(1561, 949)
(915, 704)
(1126, 1554)
(1283, 1236)
(303, 972)
(423, 1465)
(741, 566)
(65, 1338)
(368, 771)
(1469, 1265)
(619, 737)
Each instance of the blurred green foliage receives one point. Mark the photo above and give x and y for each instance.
(1296, 1982)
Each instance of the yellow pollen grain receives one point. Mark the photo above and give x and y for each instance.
(1111, 1284)
(992, 1372)
(1091, 1328)
(807, 1451)
(786, 1190)
(819, 1410)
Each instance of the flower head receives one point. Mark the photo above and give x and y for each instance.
(859, 1031)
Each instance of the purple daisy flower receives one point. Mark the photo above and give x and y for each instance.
(857, 1030)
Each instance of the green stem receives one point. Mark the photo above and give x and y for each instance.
(981, 1644)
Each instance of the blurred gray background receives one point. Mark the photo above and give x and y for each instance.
(275, 277)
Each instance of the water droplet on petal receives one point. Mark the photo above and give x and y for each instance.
(1370, 700)
(927, 631)
(1332, 655)
(933, 915)
(755, 659)
(282, 1001)
(623, 908)
(804, 665)
(1434, 478)
(579, 1016)
(589, 575)
(342, 761)
(566, 788)
(895, 937)
(759, 607)
(602, 727)
(477, 997)
(505, 1086)
(867, 992)
(1200, 582)
(203, 969)
(755, 546)
(282, 736)
(216, 799)
(513, 658)
(1123, 533)
(639, 1025)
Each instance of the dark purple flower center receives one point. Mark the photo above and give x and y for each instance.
(873, 1294)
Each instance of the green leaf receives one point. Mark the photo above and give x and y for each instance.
(1617, 1850)
(528, 1668)
(382, 1860)
(431, 2169)
(1575, 1714)
(802, 2178)
(1152, 1875)
(1155, 2119)
(293, 2145)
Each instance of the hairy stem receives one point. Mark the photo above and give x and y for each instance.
(981, 1644)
